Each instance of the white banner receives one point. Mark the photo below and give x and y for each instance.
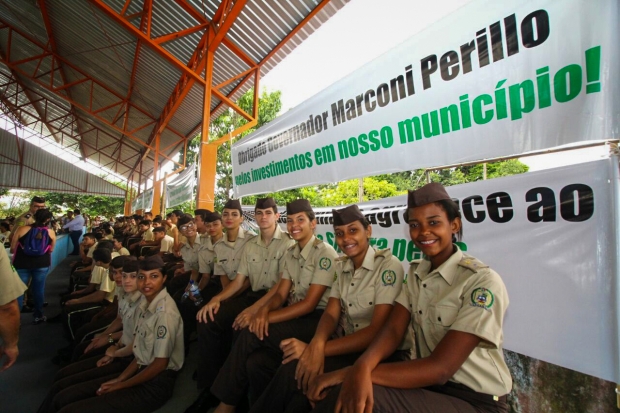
(495, 78)
(181, 189)
(551, 235)
(136, 204)
(147, 199)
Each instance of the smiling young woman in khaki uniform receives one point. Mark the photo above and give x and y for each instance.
(456, 305)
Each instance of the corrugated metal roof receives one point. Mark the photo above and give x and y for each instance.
(89, 114)
(42, 170)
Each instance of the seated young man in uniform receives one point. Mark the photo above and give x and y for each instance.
(260, 269)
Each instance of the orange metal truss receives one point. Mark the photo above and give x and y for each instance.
(81, 114)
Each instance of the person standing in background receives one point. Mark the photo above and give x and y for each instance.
(27, 217)
(75, 227)
(11, 287)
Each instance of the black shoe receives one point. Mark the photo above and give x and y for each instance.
(203, 403)
(26, 309)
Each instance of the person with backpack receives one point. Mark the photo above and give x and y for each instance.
(32, 246)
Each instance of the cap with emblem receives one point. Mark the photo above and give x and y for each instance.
(297, 206)
(428, 194)
(264, 203)
(347, 215)
(213, 216)
(233, 204)
(154, 262)
(130, 265)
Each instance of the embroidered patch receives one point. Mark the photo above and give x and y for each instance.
(482, 297)
(161, 331)
(325, 263)
(335, 276)
(388, 277)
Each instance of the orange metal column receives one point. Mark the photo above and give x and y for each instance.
(208, 153)
(156, 183)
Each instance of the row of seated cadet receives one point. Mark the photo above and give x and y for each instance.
(281, 319)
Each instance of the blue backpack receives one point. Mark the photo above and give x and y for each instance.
(37, 242)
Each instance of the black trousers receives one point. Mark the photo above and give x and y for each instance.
(76, 316)
(215, 338)
(92, 327)
(178, 283)
(246, 366)
(449, 398)
(189, 309)
(143, 398)
(75, 239)
(81, 372)
(282, 395)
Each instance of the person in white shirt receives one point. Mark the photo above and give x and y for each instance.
(76, 228)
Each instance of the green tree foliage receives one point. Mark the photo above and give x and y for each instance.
(269, 106)
(58, 203)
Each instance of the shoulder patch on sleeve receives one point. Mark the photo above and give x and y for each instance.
(325, 263)
(162, 331)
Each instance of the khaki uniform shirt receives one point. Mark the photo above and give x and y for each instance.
(167, 244)
(377, 281)
(99, 276)
(206, 256)
(263, 264)
(129, 310)
(123, 251)
(169, 231)
(465, 295)
(148, 235)
(228, 255)
(312, 265)
(92, 249)
(159, 332)
(27, 218)
(190, 254)
(11, 286)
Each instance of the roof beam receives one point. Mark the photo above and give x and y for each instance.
(184, 4)
(32, 102)
(52, 44)
(146, 38)
(198, 60)
(79, 106)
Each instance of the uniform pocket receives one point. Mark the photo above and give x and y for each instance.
(255, 263)
(443, 316)
(366, 299)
